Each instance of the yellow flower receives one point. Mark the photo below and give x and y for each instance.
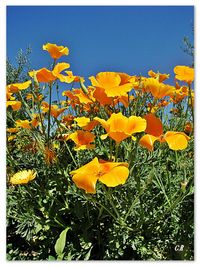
(184, 73)
(23, 177)
(85, 123)
(58, 69)
(16, 105)
(12, 130)
(157, 89)
(71, 78)
(154, 130)
(43, 75)
(109, 173)
(82, 139)
(25, 124)
(111, 83)
(119, 127)
(55, 111)
(159, 76)
(56, 51)
(16, 87)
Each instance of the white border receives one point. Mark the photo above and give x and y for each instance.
(3, 5)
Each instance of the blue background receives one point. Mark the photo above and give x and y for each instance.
(131, 39)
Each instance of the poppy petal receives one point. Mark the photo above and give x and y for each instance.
(147, 141)
(86, 176)
(176, 140)
(115, 175)
(154, 125)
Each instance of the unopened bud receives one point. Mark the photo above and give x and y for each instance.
(84, 88)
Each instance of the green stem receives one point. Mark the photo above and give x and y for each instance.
(192, 110)
(49, 114)
(39, 112)
(116, 151)
(58, 124)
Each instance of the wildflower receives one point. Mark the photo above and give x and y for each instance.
(109, 173)
(159, 76)
(152, 108)
(78, 97)
(43, 75)
(179, 94)
(25, 124)
(23, 177)
(16, 87)
(68, 120)
(163, 103)
(154, 130)
(30, 96)
(12, 130)
(55, 111)
(184, 73)
(56, 51)
(16, 105)
(111, 83)
(157, 89)
(82, 139)
(119, 127)
(85, 123)
(188, 127)
(58, 69)
(71, 78)
(11, 137)
(35, 121)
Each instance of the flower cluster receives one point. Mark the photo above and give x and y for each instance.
(112, 110)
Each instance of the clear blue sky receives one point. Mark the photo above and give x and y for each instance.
(127, 39)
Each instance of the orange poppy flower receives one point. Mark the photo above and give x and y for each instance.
(157, 89)
(188, 127)
(55, 111)
(16, 105)
(154, 130)
(43, 75)
(35, 121)
(56, 51)
(31, 97)
(119, 127)
(85, 123)
(71, 78)
(101, 97)
(184, 73)
(68, 119)
(179, 94)
(12, 130)
(58, 69)
(25, 124)
(78, 97)
(109, 173)
(82, 139)
(16, 87)
(159, 76)
(112, 83)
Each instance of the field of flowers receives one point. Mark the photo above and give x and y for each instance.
(103, 172)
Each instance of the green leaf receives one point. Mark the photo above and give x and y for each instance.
(60, 243)
(51, 258)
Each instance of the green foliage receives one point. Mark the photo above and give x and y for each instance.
(144, 219)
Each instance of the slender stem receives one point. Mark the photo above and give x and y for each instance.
(192, 110)
(110, 144)
(39, 111)
(49, 113)
(116, 151)
(58, 124)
